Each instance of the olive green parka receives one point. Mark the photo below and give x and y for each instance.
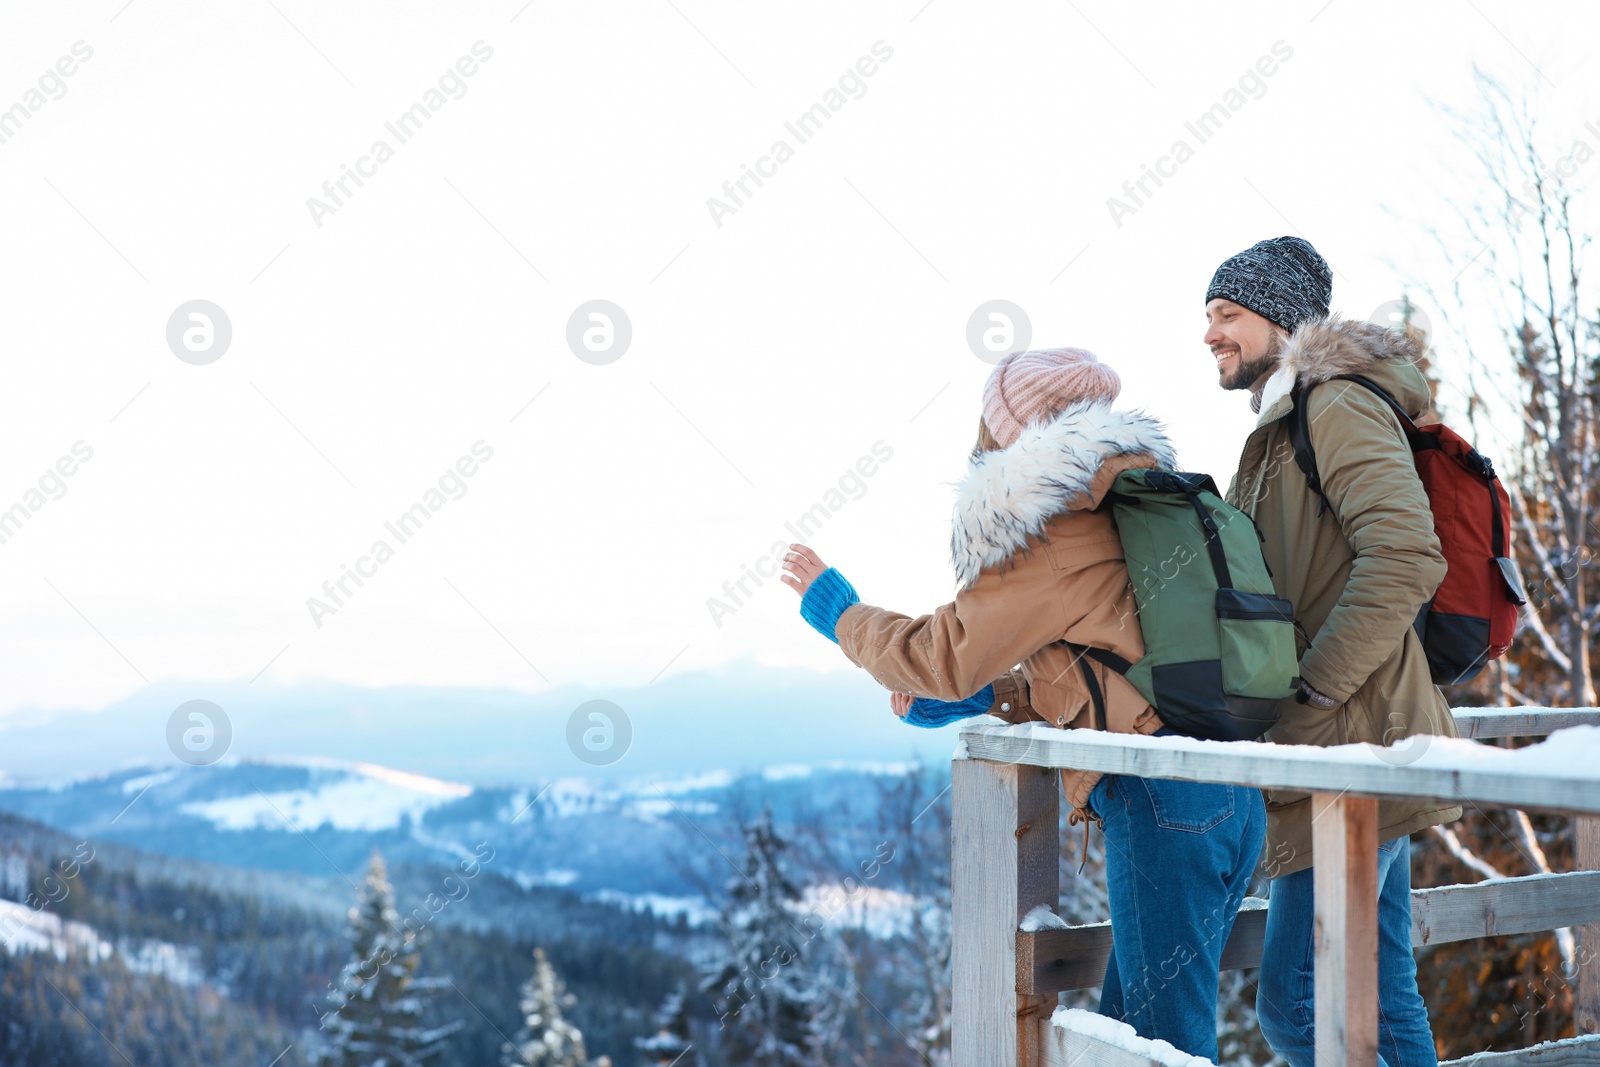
(1357, 572)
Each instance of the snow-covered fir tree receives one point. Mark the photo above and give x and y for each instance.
(375, 1009)
(547, 1039)
(767, 998)
(670, 1045)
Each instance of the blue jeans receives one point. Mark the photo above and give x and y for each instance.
(1179, 856)
(1284, 998)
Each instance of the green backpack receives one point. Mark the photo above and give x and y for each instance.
(1219, 646)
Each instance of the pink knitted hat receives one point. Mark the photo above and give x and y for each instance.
(1028, 387)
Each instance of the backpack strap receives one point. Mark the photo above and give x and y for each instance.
(1191, 486)
(1219, 556)
(1305, 457)
(1418, 440)
(1110, 660)
(1107, 659)
(1483, 466)
(1497, 543)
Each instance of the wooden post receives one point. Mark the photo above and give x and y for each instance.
(1586, 998)
(1005, 846)
(1344, 843)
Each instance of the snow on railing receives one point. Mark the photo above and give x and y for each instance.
(1083, 1037)
(1557, 775)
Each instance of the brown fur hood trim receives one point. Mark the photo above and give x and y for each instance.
(1322, 349)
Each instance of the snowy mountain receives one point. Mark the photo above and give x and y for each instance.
(741, 718)
(622, 842)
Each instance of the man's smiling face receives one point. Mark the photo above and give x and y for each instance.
(1245, 345)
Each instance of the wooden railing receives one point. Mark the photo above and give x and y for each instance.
(1006, 847)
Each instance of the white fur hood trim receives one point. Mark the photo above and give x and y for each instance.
(1010, 494)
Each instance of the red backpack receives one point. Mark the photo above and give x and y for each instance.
(1471, 618)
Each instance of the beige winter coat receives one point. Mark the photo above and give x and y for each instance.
(1358, 573)
(1035, 566)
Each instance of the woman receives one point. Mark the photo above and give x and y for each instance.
(1040, 572)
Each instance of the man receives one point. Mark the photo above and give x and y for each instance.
(1358, 568)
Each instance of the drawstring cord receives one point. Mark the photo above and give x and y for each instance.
(1082, 815)
(1085, 816)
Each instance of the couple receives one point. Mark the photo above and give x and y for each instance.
(1039, 566)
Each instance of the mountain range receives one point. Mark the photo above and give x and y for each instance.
(740, 718)
(638, 843)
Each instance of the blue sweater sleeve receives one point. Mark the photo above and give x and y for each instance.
(934, 713)
(826, 600)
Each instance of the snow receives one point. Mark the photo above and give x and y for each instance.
(178, 963)
(145, 781)
(695, 910)
(405, 779)
(419, 783)
(551, 876)
(1042, 918)
(362, 796)
(784, 771)
(1523, 709)
(648, 810)
(647, 799)
(1570, 753)
(692, 783)
(1104, 1028)
(27, 929)
(881, 913)
(892, 769)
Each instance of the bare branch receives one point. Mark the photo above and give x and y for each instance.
(1461, 852)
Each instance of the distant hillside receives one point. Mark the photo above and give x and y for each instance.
(319, 819)
(178, 962)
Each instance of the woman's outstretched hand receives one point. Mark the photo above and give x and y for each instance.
(900, 704)
(800, 568)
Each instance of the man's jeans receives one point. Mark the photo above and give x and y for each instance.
(1179, 856)
(1284, 997)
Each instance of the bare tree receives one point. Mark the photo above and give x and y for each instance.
(1526, 319)
(1522, 267)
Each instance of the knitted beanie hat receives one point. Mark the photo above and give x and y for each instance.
(1028, 387)
(1284, 280)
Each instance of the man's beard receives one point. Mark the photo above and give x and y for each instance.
(1248, 372)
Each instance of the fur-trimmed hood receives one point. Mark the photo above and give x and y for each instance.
(1325, 348)
(1009, 494)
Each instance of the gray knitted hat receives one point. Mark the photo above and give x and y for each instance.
(1283, 280)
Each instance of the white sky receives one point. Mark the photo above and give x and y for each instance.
(827, 313)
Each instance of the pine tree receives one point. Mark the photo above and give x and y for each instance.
(769, 1000)
(547, 1039)
(670, 1044)
(376, 1007)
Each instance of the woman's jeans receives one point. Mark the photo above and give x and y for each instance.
(1179, 856)
(1284, 1001)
